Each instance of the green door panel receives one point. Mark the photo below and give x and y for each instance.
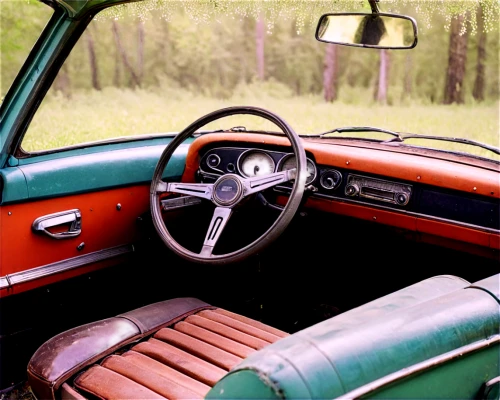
(86, 170)
(400, 330)
(13, 184)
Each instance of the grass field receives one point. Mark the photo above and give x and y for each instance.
(89, 116)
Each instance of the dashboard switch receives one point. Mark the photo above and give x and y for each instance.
(351, 190)
(402, 199)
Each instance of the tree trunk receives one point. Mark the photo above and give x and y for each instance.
(478, 91)
(383, 78)
(457, 57)
(259, 44)
(330, 73)
(117, 73)
(408, 86)
(140, 50)
(93, 62)
(123, 54)
(62, 82)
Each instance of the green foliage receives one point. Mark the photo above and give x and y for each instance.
(21, 22)
(305, 11)
(201, 55)
(209, 47)
(214, 57)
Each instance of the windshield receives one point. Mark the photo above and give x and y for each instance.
(21, 22)
(157, 67)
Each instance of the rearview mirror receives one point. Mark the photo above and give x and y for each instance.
(377, 30)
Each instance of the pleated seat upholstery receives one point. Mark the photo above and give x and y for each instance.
(179, 362)
(182, 360)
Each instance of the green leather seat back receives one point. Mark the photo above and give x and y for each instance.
(371, 342)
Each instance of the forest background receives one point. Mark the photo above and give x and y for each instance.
(165, 67)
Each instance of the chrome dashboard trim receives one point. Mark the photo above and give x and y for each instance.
(419, 367)
(62, 266)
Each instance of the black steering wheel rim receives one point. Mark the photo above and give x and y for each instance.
(281, 221)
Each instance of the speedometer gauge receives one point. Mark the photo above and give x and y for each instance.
(256, 163)
(290, 162)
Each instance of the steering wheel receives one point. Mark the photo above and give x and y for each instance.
(228, 191)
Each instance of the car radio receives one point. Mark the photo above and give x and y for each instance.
(378, 189)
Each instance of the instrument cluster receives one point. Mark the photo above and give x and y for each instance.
(252, 162)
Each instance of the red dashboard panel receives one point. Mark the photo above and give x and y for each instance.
(408, 167)
(422, 169)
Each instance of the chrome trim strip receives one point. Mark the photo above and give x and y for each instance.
(62, 266)
(179, 202)
(4, 282)
(419, 367)
(414, 214)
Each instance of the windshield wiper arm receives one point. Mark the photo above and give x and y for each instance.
(360, 129)
(400, 137)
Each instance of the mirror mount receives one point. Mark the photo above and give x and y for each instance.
(374, 6)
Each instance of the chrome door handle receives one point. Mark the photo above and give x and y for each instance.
(73, 217)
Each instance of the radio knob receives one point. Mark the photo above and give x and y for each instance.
(402, 199)
(351, 190)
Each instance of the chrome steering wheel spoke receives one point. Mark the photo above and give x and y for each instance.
(217, 224)
(259, 183)
(201, 190)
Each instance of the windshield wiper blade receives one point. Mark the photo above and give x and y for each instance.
(399, 137)
(360, 129)
(405, 136)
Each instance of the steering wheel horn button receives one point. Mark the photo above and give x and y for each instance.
(227, 191)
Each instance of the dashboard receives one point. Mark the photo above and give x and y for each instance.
(441, 198)
(355, 187)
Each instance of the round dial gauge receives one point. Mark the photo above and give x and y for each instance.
(289, 162)
(256, 163)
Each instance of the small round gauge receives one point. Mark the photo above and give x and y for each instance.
(213, 160)
(289, 162)
(256, 163)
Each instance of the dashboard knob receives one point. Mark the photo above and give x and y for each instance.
(351, 190)
(402, 199)
(330, 179)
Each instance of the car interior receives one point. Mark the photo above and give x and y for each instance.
(245, 263)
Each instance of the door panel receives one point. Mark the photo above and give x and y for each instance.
(104, 225)
(110, 190)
